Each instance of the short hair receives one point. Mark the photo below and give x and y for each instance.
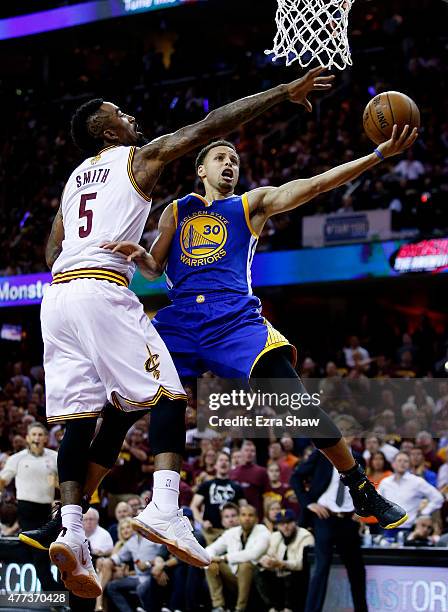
(37, 425)
(247, 507)
(229, 506)
(85, 127)
(248, 442)
(404, 453)
(222, 452)
(217, 143)
(94, 512)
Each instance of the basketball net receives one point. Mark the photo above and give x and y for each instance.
(313, 29)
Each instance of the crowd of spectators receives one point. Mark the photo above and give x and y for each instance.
(241, 495)
(155, 76)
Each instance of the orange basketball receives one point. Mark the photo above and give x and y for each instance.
(388, 108)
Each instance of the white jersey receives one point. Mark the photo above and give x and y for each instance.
(101, 203)
(36, 475)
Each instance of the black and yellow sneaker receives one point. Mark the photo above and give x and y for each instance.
(42, 537)
(368, 502)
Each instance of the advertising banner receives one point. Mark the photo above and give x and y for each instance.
(321, 230)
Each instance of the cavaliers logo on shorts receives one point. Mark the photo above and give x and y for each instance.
(202, 238)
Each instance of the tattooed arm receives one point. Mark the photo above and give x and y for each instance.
(54, 244)
(149, 161)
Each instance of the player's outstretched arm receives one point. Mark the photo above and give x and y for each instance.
(54, 244)
(149, 160)
(152, 264)
(267, 201)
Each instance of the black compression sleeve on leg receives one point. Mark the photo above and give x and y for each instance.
(275, 364)
(74, 449)
(107, 444)
(167, 427)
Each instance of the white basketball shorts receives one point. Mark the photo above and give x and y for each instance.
(99, 345)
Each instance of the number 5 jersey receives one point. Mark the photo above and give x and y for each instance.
(101, 202)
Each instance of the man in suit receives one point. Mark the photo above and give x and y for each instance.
(327, 507)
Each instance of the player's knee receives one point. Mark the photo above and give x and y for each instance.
(107, 444)
(322, 443)
(73, 452)
(167, 427)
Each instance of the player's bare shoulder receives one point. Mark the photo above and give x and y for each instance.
(258, 207)
(147, 167)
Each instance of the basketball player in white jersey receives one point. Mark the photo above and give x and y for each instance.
(98, 343)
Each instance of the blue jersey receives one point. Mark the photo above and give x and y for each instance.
(212, 249)
(214, 322)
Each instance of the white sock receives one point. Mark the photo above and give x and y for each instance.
(72, 519)
(166, 490)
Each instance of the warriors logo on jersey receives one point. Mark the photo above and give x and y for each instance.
(202, 238)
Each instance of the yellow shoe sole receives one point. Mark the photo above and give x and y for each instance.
(397, 523)
(30, 542)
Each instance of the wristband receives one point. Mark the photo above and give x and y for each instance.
(379, 154)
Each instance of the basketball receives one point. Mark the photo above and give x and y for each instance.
(386, 109)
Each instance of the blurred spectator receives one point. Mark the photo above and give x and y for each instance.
(36, 477)
(234, 555)
(9, 524)
(422, 534)
(429, 447)
(122, 510)
(406, 446)
(374, 443)
(410, 168)
(236, 458)
(283, 574)
(409, 491)
(173, 582)
(347, 205)
(142, 553)
(272, 507)
(378, 468)
(212, 495)
(252, 477)
(328, 508)
(309, 368)
(208, 471)
(418, 466)
(289, 458)
(442, 477)
(100, 540)
(276, 453)
(230, 515)
(107, 571)
(353, 347)
(135, 503)
(279, 490)
(406, 367)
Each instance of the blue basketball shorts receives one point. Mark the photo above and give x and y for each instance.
(221, 333)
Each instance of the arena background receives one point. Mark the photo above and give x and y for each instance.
(375, 269)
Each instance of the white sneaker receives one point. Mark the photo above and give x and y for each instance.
(174, 530)
(70, 553)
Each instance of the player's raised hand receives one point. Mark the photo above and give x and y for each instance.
(299, 89)
(398, 142)
(131, 250)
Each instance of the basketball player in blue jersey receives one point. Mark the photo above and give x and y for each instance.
(206, 245)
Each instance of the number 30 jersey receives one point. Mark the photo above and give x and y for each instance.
(101, 202)
(212, 249)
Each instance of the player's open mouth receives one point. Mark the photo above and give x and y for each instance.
(227, 174)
